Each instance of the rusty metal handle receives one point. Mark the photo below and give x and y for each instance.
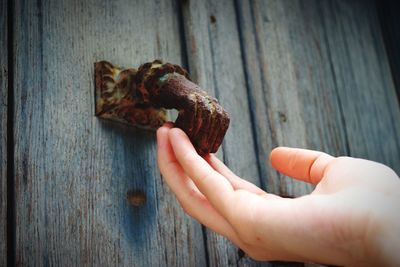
(140, 97)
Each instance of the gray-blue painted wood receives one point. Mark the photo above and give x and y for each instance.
(73, 171)
(389, 16)
(291, 87)
(215, 62)
(318, 78)
(304, 73)
(365, 88)
(3, 131)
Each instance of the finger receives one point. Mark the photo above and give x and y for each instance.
(236, 182)
(302, 164)
(193, 202)
(168, 164)
(213, 185)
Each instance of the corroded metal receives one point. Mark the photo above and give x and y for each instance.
(116, 98)
(140, 97)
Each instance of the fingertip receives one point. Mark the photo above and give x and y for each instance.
(176, 132)
(277, 154)
(180, 141)
(161, 134)
(302, 164)
(163, 130)
(168, 124)
(174, 135)
(273, 153)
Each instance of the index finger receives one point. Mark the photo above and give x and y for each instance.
(301, 164)
(212, 184)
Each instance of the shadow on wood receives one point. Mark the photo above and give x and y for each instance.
(133, 143)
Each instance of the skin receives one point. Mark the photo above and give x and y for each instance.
(350, 219)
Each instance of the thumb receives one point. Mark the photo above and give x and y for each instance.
(301, 164)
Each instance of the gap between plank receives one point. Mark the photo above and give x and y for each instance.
(239, 21)
(182, 34)
(334, 77)
(386, 11)
(11, 219)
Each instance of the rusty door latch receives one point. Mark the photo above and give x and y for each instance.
(140, 97)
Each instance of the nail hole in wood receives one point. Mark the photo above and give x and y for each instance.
(136, 197)
(282, 117)
(213, 19)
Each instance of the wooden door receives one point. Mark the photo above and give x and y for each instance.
(307, 73)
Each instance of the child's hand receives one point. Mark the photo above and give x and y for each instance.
(351, 218)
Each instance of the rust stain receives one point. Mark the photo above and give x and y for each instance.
(140, 96)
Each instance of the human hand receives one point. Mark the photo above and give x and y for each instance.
(351, 218)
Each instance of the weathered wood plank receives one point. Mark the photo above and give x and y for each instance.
(390, 21)
(291, 85)
(215, 62)
(319, 77)
(3, 131)
(73, 171)
(364, 83)
(304, 66)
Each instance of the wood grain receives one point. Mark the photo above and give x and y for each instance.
(318, 79)
(291, 86)
(73, 171)
(304, 73)
(215, 62)
(3, 131)
(390, 20)
(365, 86)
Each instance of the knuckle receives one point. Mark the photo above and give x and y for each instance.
(192, 193)
(336, 162)
(206, 177)
(189, 158)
